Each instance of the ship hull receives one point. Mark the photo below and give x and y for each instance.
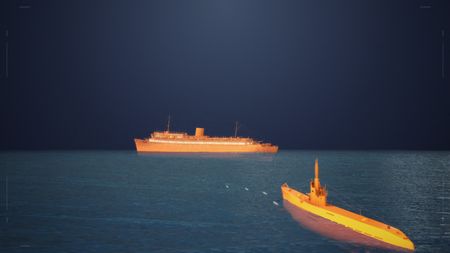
(348, 219)
(145, 146)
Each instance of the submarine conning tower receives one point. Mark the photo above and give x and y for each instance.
(318, 194)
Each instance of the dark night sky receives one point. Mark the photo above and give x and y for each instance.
(300, 74)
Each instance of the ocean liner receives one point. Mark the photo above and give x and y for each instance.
(167, 141)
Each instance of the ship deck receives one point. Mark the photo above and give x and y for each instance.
(208, 138)
(183, 137)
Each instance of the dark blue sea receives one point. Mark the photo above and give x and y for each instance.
(121, 201)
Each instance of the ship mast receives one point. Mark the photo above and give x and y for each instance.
(168, 123)
(316, 175)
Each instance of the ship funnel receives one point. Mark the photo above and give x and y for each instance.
(199, 132)
(316, 176)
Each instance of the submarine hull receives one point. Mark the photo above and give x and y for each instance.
(358, 223)
(349, 239)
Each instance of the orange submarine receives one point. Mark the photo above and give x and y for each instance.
(316, 203)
